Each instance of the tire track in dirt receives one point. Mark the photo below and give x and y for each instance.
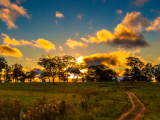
(130, 109)
(139, 114)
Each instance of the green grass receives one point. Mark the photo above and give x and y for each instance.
(151, 101)
(137, 107)
(108, 107)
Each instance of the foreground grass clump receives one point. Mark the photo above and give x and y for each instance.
(40, 109)
(88, 101)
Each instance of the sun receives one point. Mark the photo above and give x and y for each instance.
(79, 60)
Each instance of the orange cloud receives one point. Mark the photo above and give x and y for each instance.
(72, 43)
(44, 44)
(28, 59)
(119, 12)
(117, 58)
(14, 42)
(58, 14)
(10, 12)
(40, 43)
(8, 17)
(79, 16)
(60, 48)
(126, 34)
(140, 2)
(8, 51)
(155, 25)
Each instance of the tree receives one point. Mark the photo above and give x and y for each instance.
(49, 63)
(7, 74)
(17, 71)
(147, 72)
(136, 67)
(156, 72)
(69, 62)
(100, 73)
(31, 75)
(3, 64)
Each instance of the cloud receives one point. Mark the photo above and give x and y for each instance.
(56, 22)
(60, 48)
(28, 59)
(117, 58)
(72, 43)
(119, 12)
(8, 17)
(44, 44)
(10, 12)
(79, 16)
(58, 14)
(14, 42)
(77, 34)
(155, 25)
(104, 0)
(40, 43)
(140, 2)
(8, 51)
(126, 34)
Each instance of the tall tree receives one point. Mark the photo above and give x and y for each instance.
(136, 67)
(69, 62)
(3, 64)
(49, 63)
(17, 71)
(7, 74)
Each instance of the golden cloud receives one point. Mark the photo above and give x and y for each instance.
(60, 48)
(126, 34)
(40, 43)
(14, 42)
(72, 43)
(8, 51)
(117, 58)
(8, 17)
(58, 14)
(44, 44)
(28, 59)
(119, 12)
(155, 25)
(11, 12)
(56, 22)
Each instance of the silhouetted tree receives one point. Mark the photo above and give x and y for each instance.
(3, 64)
(7, 74)
(17, 71)
(157, 72)
(49, 63)
(69, 62)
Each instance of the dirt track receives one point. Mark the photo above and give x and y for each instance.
(140, 113)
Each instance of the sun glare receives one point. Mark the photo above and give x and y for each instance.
(80, 59)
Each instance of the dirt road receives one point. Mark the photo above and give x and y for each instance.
(140, 113)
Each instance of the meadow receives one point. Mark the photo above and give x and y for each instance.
(76, 101)
(92, 100)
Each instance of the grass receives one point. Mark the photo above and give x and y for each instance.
(101, 102)
(151, 101)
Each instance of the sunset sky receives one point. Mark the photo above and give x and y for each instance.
(100, 31)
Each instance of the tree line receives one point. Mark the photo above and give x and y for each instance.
(63, 66)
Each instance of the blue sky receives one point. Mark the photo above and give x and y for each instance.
(37, 19)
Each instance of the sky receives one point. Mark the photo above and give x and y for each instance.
(98, 31)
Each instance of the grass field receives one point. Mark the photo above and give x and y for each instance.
(148, 93)
(92, 101)
(98, 102)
